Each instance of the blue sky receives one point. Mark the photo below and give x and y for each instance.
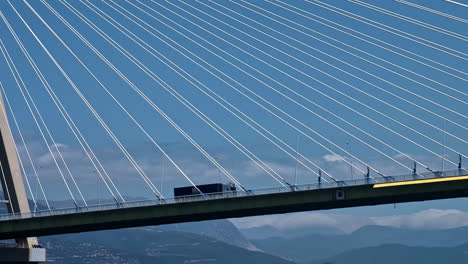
(302, 72)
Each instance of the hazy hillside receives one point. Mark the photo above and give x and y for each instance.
(263, 232)
(392, 254)
(148, 245)
(222, 230)
(313, 247)
(71, 252)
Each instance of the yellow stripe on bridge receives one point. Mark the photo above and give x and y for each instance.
(392, 184)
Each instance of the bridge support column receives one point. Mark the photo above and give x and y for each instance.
(26, 249)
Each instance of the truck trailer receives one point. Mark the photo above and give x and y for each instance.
(207, 189)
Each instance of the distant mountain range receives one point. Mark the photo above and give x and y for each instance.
(368, 245)
(149, 245)
(399, 254)
(315, 247)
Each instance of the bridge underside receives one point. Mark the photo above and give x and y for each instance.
(287, 202)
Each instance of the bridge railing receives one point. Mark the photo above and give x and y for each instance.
(232, 194)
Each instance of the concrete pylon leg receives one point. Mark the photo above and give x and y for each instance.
(12, 184)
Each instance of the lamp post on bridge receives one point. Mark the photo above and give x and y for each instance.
(443, 147)
(297, 161)
(219, 170)
(350, 161)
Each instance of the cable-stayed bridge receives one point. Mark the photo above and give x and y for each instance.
(301, 105)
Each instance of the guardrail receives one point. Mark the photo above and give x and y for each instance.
(225, 195)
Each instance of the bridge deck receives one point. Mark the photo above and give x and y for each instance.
(241, 206)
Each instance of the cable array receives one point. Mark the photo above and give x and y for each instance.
(244, 71)
(400, 33)
(433, 11)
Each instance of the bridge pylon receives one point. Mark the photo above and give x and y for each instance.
(26, 249)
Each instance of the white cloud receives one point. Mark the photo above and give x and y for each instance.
(427, 219)
(59, 146)
(332, 158)
(285, 222)
(56, 149)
